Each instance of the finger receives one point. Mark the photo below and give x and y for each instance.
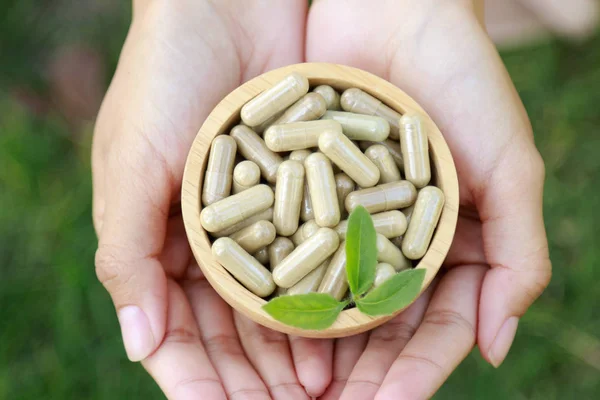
(222, 344)
(176, 253)
(98, 202)
(180, 365)
(131, 237)
(269, 352)
(517, 249)
(384, 345)
(346, 354)
(467, 244)
(312, 361)
(576, 21)
(442, 341)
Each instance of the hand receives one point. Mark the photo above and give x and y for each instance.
(179, 60)
(436, 51)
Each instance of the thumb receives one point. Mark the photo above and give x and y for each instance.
(515, 246)
(130, 241)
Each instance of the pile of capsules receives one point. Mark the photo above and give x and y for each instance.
(278, 189)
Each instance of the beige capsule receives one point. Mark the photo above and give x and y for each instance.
(278, 250)
(310, 107)
(389, 196)
(349, 158)
(360, 126)
(389, 223)
(322, 189)
(299, 155)
(275, 99)
(233, 209)
(383, 160)
(288, 197)
(265, 125)
(262, 256)
(254, 276)
(343, 186)
(383, 272)
(356, 101)
(331, 96)
(251, 146)
(423, 221)
(245, 175)
(310, 283)
(306, 257)
(255, 236)
(335, 281)
(298, 135)
(388, 253)
(306, 209)
(392, 146)
(305, 231)
(266, 215)
(415, 150)
(217, 179)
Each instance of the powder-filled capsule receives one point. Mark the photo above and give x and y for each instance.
(392, 146)
(278, 250)
(255, 236)
(233, 209)
(360, 126)
(332, 98)
(299, 155)
(349, 158)
(266, 215)
(254, 276)
(343, 186)
(275, 99)
(245, 175)
(383, 160)
(288, 197)
(415, 150)
(389, 223)
(322, 189)
(298, 135)
(253, 148)
(388, 253)
(262, 256)
(356, 101)
(383, 272)
(335, 281)
(310, 107)
(306, 209)
(306, 257)
(310, 283)
(389, 196)
(424, 219)
(217, 179)
(305, 231)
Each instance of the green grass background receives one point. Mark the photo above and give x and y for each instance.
(59, 337)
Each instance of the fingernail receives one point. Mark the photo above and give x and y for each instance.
(503, 341)
(137, 335)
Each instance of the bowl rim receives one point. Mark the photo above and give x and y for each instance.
(222, 119)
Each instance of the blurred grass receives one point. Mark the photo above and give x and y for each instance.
(59, 337)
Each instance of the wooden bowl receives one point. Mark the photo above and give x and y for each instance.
(227, 114)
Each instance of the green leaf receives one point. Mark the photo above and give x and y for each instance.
(394, 294)
(306, 311)
(361, 251)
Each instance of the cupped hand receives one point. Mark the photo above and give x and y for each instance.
(179, 60)
(436, 51)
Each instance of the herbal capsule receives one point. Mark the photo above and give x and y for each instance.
(390, 224)
(360, 126)
(217, 180)
(332, 98)
(415, 150)
(310, 107)
(233, 209)
(357, 101)
(383, 272)
(278, 250)
(245, 175)
(349, 158)
(408, 212)
(299, 155)
(305, 231)
(288, 197)
(254, 276)
(392, 146)
(306, 209)
(251, 146)
(279, 97)
(310, 283)
(262, 256)
(306, 257)
(265, 125)
(255, 236)
(298, 135)
(389, 196)
(423, 221)
(266, 215)
(323, 195)
(335, 281)
(388, 253)
(383, 160)
(343, 187)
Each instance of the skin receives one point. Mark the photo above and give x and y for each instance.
(163, 90)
